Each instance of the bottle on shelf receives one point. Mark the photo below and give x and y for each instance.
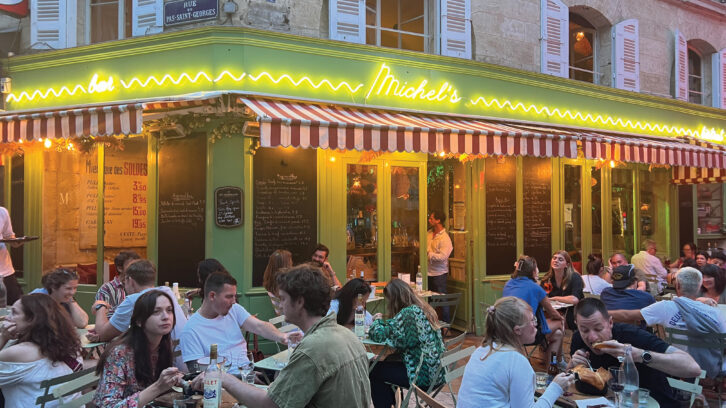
(419, 280)
(212, 381)
(631, 380)
(360, 318)
(175, 290)
(363, 274)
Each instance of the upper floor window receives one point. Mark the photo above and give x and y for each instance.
(695, 77)
(402, 24)
(108, 20)
(582, 49)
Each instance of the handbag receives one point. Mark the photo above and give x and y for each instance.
(257, 355)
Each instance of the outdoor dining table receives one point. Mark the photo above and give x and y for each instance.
(571, 400)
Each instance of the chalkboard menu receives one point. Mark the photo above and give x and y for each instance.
(228, 207)
(501, 214)
(182, 199)
(537, 179)
(285, 205)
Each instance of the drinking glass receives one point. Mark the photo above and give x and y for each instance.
(643, 395)
(616, 384)
(246, 368)
(226, 362)
(541, 379)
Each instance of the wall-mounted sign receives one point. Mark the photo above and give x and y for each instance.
(228, 207)
(189, 11)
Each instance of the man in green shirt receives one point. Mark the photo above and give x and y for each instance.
(329, 368)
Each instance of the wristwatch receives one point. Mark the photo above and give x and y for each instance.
(646, 357)
(99, 306)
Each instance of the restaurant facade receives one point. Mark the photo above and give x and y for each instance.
(231, 142)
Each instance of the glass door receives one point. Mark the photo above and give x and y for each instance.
(362, 221)
(623, 212)
(405, 217)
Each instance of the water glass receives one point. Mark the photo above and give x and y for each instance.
(185, 403)
(643, 395)
(616, 384)
(541, 379)
(226, 362)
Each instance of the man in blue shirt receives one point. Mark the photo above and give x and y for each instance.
(623, 294)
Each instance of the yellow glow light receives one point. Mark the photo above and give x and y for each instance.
(612, 164)
(442, 154)
(332, 158)
(47, 143)
(395, 88)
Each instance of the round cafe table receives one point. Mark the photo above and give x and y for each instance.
(571, 401)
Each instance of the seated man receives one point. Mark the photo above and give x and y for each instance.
(653, 357)
(618, 259)
(685, 313)
(320, 258)
(113, 292)
(329, 368)
(219, 321)
(647, 262)
(623, 294)
(140, 278)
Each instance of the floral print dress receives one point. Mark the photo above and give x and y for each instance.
(411, 333)
(117, 387)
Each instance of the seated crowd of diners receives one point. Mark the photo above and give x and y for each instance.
(144, 328)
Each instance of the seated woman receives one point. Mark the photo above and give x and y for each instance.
(39, 343)
(523, 285)
(279, 260)
(563, 284)
(498, 374)
(139, 366)
(344, 302)
(714, 283)
(597, 277)
(61, 284)
(702, 258)
(412, 331)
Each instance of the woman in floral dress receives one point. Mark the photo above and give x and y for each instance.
(139, 366)
(413, 331)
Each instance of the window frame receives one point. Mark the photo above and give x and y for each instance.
(702, 92)
(426, 36)
(121, 21)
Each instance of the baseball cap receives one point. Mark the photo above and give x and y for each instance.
(622, 276)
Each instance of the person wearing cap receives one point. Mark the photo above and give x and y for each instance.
(624, 295)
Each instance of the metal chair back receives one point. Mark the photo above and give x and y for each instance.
(451, 300)
(83, 381)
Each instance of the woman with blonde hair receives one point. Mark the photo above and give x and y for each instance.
(498, 374)
(280, 260)
(413, 331)
(563, 284)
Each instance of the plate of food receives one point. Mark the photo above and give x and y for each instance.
(591, 382)
(18, 239)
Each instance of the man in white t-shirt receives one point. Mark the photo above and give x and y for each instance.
(683, 313)
(647, 262)
(218, 321)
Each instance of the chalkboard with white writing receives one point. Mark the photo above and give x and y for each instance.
(285, 205)
(228, 207)
(536, 199)
(501, 214)
(182, 200)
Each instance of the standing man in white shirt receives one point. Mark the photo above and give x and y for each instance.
(7, 272)
(438, 249)
(646, 261)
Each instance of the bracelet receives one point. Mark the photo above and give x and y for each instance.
(99, 306)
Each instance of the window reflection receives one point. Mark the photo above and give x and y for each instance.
(404, 220)
(362, 222)
(595, 197)
(573, 214)
(622, 211)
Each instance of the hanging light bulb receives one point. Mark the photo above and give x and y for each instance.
(47, 143)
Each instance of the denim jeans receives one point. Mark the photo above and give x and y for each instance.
(438, 284)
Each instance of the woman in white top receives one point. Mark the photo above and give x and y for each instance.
(345, 301)
(498, 374)
(39, 343)
(597, 277)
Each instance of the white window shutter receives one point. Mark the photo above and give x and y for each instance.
(718, 62)
(456, 28)
(347, 20)
(52, 24)
(147, 17)
(681, 66)
(626, 56)
(555, 41)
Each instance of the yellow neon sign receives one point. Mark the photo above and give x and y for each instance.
(385, 84)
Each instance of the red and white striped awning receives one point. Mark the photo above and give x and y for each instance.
(124, 119)
(671, 151)
(695, 175)
(286, 123)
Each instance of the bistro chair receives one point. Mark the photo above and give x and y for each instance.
(66, 386)
(401, 400)
(452, 363)
(456, 342)
(692, 388)
(428, 400)
(450, 300)
(715, 341)
(283, 326)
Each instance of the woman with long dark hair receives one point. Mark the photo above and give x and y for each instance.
(280, 260)
(39, 343)
(344, 302)
(563, 284)
(61, 284)
(139, 366)
(498, 374)
(714, 283)
(413, 330)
